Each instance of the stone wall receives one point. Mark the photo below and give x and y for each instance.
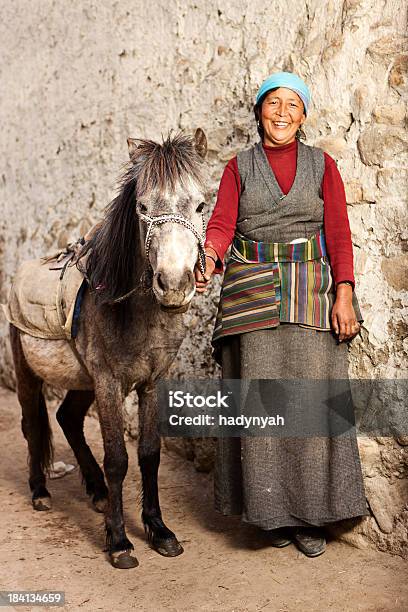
(79, 78)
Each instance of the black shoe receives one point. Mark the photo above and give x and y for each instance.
(278, 538)
(310, 540)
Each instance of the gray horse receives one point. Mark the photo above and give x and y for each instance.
(139, 266)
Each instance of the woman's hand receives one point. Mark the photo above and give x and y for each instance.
(202, 281)
(343, 316)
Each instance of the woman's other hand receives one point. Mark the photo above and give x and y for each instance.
(203, 281)
(343, 316)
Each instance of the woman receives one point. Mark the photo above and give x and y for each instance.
(282, 204)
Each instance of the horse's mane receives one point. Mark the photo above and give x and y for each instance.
(162, 166)
(114, 252)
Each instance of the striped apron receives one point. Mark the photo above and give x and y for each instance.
(268, 283)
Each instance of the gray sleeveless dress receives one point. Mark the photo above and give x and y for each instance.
(277, 482)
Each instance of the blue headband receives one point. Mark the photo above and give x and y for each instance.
(288, 80)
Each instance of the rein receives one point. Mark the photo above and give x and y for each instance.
(153, 222)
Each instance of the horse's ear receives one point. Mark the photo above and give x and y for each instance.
(132, 146)
(200, 142)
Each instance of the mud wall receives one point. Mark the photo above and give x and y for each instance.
(79, 78)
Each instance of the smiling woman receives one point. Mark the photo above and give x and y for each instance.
(287, 304)
(282, 114)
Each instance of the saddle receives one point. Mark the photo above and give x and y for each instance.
(46, 295)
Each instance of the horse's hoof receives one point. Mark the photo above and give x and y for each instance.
(100, 505)
(170, 547)
(42, 504)
(123, 560)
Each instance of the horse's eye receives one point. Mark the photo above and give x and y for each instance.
(142, 208)
(200, 207)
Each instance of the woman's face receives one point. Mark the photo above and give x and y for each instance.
(282, 113)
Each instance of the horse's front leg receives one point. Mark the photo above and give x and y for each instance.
(109, 400)
(160, 537)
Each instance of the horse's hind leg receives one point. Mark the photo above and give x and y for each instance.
(160, 537)
(35, 424)
(71, 416)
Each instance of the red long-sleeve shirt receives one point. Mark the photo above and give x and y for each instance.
(282, 159)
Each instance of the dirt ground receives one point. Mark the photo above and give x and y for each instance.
(227, 566)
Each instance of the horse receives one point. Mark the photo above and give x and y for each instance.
(139, 267)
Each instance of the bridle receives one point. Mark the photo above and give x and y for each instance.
(175, 218)
(155, 221)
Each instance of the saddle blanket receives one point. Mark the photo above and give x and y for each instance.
(44, 302)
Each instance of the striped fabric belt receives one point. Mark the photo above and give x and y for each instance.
(266, 284)
(250, 251)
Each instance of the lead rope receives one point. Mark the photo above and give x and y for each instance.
(146, 279)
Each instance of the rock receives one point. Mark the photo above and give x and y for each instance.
(335, 146)
(395, 270)
(381, 143)
(354, 192)
(217, 138)
(398, 73)
(199, 450)
(386, 47)
(379, 498)
(360, 102)
(59, 469)
(181, 446)
(392, 114)
(63, 239)
(377, 330)
(352, 532)
(204, 454)
(84, 226)
(130, 409)
(370, 456)
(393, 181)
(333, 48)
(360, 261)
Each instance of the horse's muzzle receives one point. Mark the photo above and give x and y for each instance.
(174, 292)
(175, 309)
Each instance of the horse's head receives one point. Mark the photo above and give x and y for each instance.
(169, 204)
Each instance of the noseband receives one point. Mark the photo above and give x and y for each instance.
(153, 222)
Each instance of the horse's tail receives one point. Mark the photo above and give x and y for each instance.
(46, 449)
(35, 421)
